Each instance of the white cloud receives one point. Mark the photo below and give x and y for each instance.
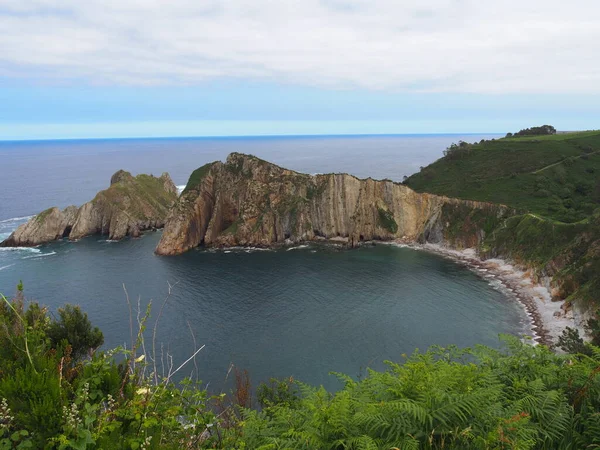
(401, 45)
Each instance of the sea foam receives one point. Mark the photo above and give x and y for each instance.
(20, 249)
(16, 219)
(41, 255)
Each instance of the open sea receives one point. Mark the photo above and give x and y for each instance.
(300, 312)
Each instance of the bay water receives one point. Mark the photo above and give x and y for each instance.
(300, 312)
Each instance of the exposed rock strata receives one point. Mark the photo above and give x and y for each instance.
(250, 202)
(128, 207)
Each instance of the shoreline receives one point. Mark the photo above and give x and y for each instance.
(547, 318)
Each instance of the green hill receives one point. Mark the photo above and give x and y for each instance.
(553, 182)
(555, 176)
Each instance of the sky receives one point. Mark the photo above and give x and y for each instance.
(149, 68)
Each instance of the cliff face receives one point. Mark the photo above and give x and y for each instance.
(128, 207)
(248, 201)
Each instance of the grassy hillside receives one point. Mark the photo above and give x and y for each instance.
(553, 182)
(555, 176)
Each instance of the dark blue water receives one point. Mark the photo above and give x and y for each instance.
(301, 313)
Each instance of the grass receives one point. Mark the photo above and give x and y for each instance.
(385, 219)
(197, 176)
(136, 194)
(42, 216)
(556, 137)
(552, 182)
(554, 176)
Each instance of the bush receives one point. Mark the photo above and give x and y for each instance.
(519, 396)
(536, 131)
(570, 342)
(385, 219)
(75, 328)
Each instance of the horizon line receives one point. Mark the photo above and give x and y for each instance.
(250, 136)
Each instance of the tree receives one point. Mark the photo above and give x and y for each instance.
(570, 342)
(536, 131)
(74, 327)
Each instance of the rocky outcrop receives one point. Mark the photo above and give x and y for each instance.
(250, 202)
(47, 226)
(128, 207)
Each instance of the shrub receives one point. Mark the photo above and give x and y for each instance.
(385, 219)
(536, 131)
(74, 327)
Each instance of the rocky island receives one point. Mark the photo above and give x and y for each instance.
(128, 207)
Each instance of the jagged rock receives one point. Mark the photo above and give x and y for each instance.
(129, 206)
(119, 176)
(168, 184)
(248, 201)
(48, 225)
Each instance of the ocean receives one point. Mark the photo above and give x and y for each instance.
(300, 312)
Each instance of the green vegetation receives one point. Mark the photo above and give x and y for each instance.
(465, 224)
(518, 397)
(555, 177)
(197, 176)
(42, 216)
(385, 219)
(135, 194)
(232, 229)
(551, 182)
(544, 130)
(315, 190)
(532, 238)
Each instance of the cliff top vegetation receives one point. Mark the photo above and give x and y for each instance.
(553, 182)
(555, 176)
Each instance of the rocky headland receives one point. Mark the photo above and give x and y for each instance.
(128, 207)
(246, 201)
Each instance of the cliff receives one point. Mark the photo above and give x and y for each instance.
(250, 202)
(129, 206)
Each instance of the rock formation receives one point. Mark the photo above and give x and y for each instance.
(129, 206)
(250, 202)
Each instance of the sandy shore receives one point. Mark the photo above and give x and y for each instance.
(548, 319)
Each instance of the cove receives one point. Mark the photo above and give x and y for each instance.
(300, 312)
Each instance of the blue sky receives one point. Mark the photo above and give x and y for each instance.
(129, 68)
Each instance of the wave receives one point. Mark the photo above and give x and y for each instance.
(297, 248)
(6, 267)
(238, 249)
(20, 249)
(16, 219)
(39, 256)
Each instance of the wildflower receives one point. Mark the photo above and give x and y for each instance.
(146, 443)
(6, 418)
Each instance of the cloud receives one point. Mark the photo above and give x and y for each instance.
(474, 46)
